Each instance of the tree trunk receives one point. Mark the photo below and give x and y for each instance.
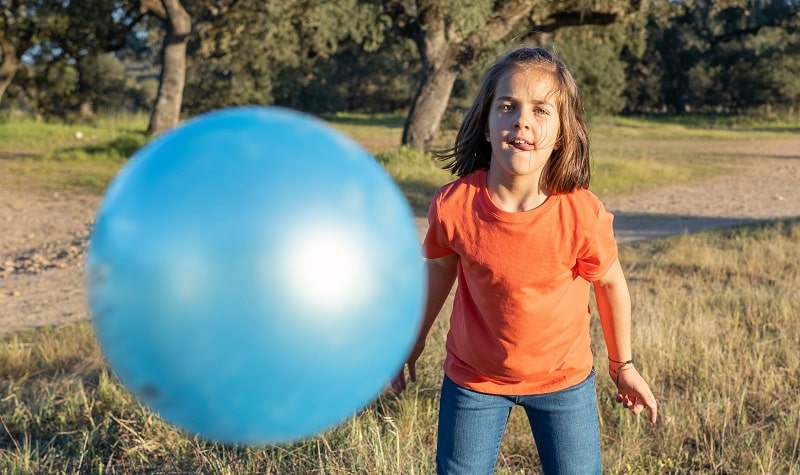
(444, 57)
(167, 110)
(439, 72)
(9, 65)
(87, 67)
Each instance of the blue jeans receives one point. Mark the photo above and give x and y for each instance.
(564, 425)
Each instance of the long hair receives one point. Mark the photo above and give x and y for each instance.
(568, 167)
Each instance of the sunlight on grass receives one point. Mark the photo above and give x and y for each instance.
(715, 333)
(377, 133)
(716, 330)
(31, 136)
(629, 154)
(692, 127)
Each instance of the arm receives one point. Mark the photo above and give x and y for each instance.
(614, 306)
(441, 276)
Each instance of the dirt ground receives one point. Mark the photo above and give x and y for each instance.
(43, 236)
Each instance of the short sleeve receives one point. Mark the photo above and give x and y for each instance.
(600, 249)
(436, 243)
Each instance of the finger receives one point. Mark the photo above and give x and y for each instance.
(653, 408)
(399, 382)
(648, 401)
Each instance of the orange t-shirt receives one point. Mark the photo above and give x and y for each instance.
(520, 321)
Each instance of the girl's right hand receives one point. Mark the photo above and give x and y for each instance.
(399, 382)
(441, 274)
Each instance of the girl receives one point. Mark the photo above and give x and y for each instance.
(525, 238)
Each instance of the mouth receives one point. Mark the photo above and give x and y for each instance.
(521, 144)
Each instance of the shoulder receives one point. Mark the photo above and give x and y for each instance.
(458, 189)
(583, 201)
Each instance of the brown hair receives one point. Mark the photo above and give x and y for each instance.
(568, 166)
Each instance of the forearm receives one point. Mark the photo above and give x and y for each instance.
(614, 307)
(441, 274)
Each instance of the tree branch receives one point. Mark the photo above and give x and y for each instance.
(566, 19)
(155, 7)
(506, 16)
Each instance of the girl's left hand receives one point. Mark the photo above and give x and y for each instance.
(634, 393)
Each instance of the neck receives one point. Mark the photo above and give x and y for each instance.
(516, 194)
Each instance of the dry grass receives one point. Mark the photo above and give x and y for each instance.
(716, 333)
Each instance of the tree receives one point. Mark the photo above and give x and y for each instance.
(726, 55)
(284, 53)
(178, 25)
(451, 35)
(63, 43)
(89, 29)
(20, 22)
(593, 55)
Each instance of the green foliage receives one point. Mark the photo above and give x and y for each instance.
(326, 57)
(67, 68)
(466, 17)
(311, 55)
(593, 57)
(722, 56)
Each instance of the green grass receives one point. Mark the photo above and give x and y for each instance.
(376, 132)
(48, 156)
(629, 154)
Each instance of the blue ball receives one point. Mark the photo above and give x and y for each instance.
(254, 276)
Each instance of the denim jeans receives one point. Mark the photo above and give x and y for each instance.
(564, 425)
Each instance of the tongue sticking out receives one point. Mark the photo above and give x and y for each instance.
(522, 145)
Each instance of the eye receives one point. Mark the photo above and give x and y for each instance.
(506, 106)
(541, 111)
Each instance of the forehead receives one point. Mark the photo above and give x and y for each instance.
(527, 83)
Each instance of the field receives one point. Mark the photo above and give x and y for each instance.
(716, 331)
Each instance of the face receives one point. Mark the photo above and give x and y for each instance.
(523, 124)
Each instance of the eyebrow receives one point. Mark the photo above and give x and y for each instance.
(538, 102)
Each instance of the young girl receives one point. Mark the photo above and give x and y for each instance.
(525, 238)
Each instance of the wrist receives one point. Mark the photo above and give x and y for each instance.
(614, 363)
(616, 367)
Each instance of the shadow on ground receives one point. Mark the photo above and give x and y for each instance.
(631, 227)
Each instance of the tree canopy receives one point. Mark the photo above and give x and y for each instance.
(176, 58)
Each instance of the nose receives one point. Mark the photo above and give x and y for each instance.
(523, 119)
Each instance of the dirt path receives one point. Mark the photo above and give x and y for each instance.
(43, 236)
(767, 187)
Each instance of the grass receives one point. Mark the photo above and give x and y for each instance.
(716, 334)
(629, 154)
(51, 157)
